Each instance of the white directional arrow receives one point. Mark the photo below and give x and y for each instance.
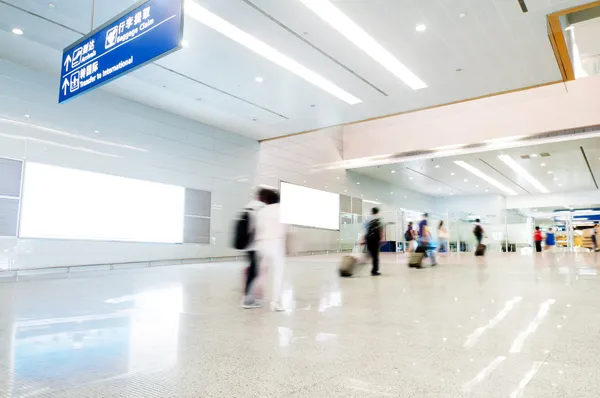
(65, 85)
(67, 62)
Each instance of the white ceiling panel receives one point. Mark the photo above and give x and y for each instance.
(565, 170)
(496, 45)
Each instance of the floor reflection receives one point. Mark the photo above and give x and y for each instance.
(54, 354)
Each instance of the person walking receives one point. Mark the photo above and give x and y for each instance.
(550, 239)
(271, 244)
(252, 296)
(425, 239)
(443, 237)
(538, 239)
(478, 231)
(409, 237)
(373, 238)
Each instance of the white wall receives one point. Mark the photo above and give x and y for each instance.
(559, 106)
(140, 142)
(143, 143)
(296, 159)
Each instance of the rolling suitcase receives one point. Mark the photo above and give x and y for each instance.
(416, 259)
(480, 250)
(347, 266)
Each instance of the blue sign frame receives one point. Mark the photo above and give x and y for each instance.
(145, 32)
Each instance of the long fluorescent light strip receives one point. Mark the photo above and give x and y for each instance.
(211, 20)
(484, 177)
(343, 24)
(523, 173)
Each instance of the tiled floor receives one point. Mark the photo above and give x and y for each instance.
(505, 326)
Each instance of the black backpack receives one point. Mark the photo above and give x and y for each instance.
(408, 235)
(243, 236)
(478, 231)
(374, 231)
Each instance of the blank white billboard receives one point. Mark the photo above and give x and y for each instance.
(309, 207)
(63, 203)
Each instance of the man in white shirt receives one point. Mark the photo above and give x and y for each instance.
(270, 243)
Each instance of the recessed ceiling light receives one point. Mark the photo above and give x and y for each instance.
(534, 155)
(358, 183)
(476, 186)
(543, 164)
(393, 171)
(410, 178)
(185, 43)
(555, 178)
(451, 193)
(326, 186)
(487, 190)
(484, 177)
(305, 181)
(451, 174)
(421, 28)
(437, 166)
(550, 172)
(27, 116)
(258, 79)
(522, 172)
(391, 193)
(199, 13)
(345, 190)
(405, 197)
(97, 131)
(462, 15)
(51, 5)
(466, 180)
(337, 178)
(17, 31)
(343, 24)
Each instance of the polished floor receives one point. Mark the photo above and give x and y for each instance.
(505, 326)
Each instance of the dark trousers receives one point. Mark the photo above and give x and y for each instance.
(373, 248)
(252, 271)
(538, 246)
(479, 238)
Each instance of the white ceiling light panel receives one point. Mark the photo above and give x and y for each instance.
(510, 162)
(211, 20)
(343, 24)
(485, 177)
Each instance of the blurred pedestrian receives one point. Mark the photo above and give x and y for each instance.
(271, 244)
(373, 237)
(443, 237)
(425, 239)
(410, 238)
(550, 239)
(538, 238)
(478, 231)
(245, 240)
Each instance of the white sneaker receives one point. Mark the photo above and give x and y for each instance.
(251, 302)
(275, 307)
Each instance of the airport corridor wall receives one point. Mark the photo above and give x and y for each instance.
(297, 159)
(106, 134)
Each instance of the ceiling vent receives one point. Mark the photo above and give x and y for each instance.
(523, 5)
(525, 157)
(545, 155)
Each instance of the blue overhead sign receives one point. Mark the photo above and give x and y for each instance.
(143, 33)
